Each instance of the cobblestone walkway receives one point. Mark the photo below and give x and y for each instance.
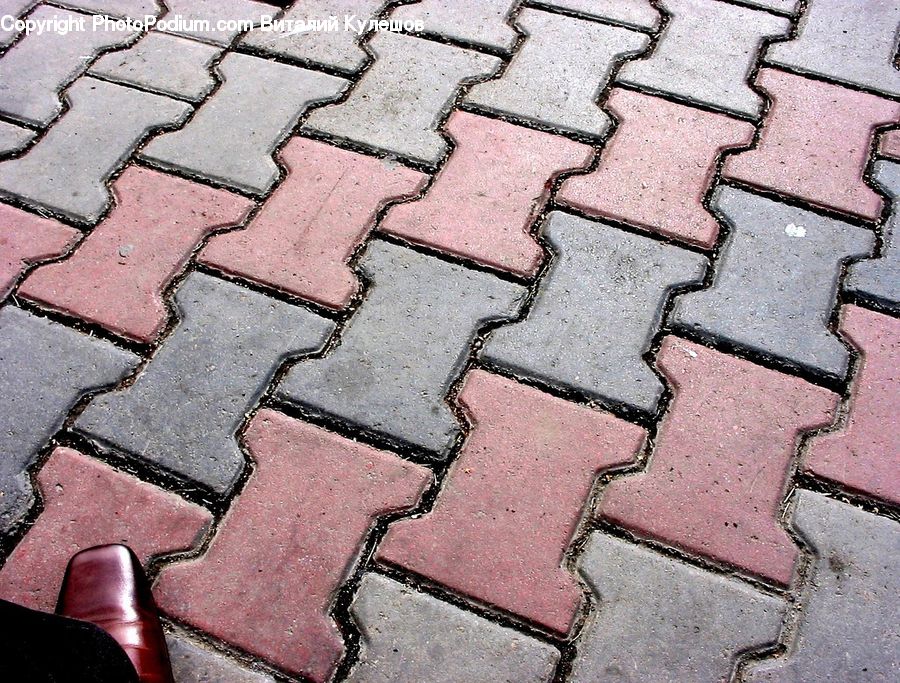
(500, 341)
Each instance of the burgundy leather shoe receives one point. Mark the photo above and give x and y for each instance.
(106, 586)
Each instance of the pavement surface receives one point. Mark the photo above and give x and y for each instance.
(461, 341)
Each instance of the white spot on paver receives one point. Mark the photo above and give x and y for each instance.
(759, 263)
(688, 352)
(792, 230)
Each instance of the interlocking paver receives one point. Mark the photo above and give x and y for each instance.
(193, 662)
(848, 627)
(776, 281)
(815, 143)
(229, 342)
(88, 503)
(399, 101)
(656, 169)
(303, 238)
(605, 289)
(723, 454)
(37, 68)
(117, 275)
(890, 144)
(26, 239)
(136, 9)
(853, 43)
(243, 158)
(712, 69)
(15, 9)
(512, 167)
(67, 170)
(403, 347)
(408, 636)
(635, 13)
(878, 279)
(660, 620)
(193, 12)
(163, 63)
(45, 369)
(501, 526)
(14, 138)
(559, 49)
(306, 510)
(337, 49)
(863, 452)
(485, 23)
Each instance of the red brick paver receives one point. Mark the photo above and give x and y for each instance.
(864, 452)
(26, 239)
(657, 167)
(117, 276)
(291, 538)
(815, 143)
(88, 503)
(890, 144)
(486, 197)
(510, 505)
(302, 240)
(716, 478)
